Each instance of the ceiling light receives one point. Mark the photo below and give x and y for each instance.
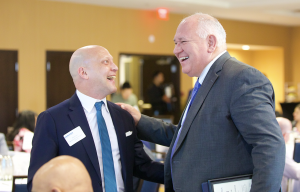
(245, 47)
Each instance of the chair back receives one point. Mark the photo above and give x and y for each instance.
(148, 186)
(19, 184)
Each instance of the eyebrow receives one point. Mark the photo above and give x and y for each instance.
(181, 38)
(107, 57)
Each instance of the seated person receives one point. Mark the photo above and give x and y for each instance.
(292, 168)
(3, 145)
(23, 128)
(125, 96)
(62, 174)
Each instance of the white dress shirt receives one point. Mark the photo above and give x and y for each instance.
(88, 104)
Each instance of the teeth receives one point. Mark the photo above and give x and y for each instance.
(183, 58)
(111, 77)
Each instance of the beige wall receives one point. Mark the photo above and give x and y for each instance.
(295, 54)
(34, 26)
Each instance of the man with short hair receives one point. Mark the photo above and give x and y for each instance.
(97, 132)
(62, 174)
(156, 94)
(125, 96)
(228, 127)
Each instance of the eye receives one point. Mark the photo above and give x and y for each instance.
(105, 61)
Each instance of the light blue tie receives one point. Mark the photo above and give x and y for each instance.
(194, 92)
(108, 163)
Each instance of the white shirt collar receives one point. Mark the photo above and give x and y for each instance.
(206, 69)
(88, 102)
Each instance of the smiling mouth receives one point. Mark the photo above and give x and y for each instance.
(111, 77)
(183, 58)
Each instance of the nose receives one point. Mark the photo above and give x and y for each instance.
(177, 49)
(114, 67)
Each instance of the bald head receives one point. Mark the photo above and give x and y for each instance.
(82, 57)
(93, 71)
(62, 174)
(285, 126)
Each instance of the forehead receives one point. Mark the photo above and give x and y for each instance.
(186, 29)
(103, 53)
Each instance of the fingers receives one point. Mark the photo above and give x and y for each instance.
(133, 112)
(122, 105)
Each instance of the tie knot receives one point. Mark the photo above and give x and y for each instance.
(197, 85)
(98, 105)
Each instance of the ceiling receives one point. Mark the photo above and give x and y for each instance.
(279, 12)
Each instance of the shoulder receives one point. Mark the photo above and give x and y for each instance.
(60, 106)
(113, 108)
(238, 70)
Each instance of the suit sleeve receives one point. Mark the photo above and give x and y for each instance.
(155, 130)
(44, 145)
(144, 167)
(252, 111)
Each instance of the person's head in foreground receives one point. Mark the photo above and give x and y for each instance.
(62, 174)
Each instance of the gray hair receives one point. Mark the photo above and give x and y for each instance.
(284, 124)
(208, 25)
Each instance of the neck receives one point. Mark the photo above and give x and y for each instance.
(92, 94)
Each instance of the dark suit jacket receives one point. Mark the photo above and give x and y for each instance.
(48, 142)
(229, 130)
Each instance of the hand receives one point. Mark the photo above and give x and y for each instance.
(166, 99)
(133, 112)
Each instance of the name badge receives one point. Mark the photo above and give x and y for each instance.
(74, 136)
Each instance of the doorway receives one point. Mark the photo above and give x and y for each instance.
(59, 82)
(138, 70)
(8, 88)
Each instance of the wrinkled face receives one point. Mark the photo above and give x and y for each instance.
(190, 49)
(102, 73)
(126, 93)
(296, 114)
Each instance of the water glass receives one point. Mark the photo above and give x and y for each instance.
(6, 168)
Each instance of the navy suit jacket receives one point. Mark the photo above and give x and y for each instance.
(48, 142)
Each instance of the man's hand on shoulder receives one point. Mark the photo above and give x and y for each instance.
(133, 111)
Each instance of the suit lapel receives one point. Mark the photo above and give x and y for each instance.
(78, 118)
(206, 86)
(120, 131)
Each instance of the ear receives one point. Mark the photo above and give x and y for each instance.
(82, 73)
(212, 43)
(55, 189)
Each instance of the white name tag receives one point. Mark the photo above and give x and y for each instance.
(74, 136)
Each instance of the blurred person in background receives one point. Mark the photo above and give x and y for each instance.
(291, 174)
(296, 115)
(62, 174)
(157, 96)
(125, 96)
(23, 129)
